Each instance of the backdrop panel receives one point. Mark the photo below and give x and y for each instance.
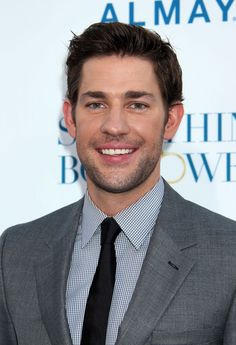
(39, 168)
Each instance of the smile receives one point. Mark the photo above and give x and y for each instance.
(115, 152)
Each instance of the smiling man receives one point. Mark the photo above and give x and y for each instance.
(132, 262)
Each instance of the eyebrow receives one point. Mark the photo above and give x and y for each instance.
(138, 94)
(93, 94)
(128, 94)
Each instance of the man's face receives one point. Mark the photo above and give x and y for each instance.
(119, 126)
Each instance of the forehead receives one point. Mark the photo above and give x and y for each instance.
(116, 73)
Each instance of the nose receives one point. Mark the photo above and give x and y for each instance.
(115, 122)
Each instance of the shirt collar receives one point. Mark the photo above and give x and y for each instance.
(136, 221)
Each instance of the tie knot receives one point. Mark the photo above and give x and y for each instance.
(109, 230)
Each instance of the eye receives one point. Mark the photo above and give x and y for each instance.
(95, 106)
(138, 106)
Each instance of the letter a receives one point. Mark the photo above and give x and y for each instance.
(109, 10)
(203, 13)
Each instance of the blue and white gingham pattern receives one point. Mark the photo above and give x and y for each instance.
(137, 223)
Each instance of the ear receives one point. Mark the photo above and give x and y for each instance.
(175, 114)
(69, 118)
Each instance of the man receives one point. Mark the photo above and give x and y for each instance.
(169, 271)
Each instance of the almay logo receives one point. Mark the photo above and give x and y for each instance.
(176, 13)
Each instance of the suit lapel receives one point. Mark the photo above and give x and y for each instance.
(164, 270)
(51, 279)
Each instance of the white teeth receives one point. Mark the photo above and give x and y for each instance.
(112, 152)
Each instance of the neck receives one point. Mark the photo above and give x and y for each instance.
(113, 203)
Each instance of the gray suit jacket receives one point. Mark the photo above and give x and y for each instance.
(185, 293)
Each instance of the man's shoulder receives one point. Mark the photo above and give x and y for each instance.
(45, 227)
(191, 215)
(191, 225)
(210, 220)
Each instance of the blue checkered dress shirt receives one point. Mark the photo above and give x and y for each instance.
(137, 223)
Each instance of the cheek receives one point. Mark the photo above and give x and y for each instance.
(149, 130)
(85, 124)
(87, 129)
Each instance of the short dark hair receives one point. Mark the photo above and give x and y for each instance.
(105, 39)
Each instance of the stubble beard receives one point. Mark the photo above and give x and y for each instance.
(117, 182)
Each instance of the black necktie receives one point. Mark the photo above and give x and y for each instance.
(101, 290)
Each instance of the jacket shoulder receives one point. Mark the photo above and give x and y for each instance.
(190, 219)
(191, 210)
(209, 219)
(50, 226)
